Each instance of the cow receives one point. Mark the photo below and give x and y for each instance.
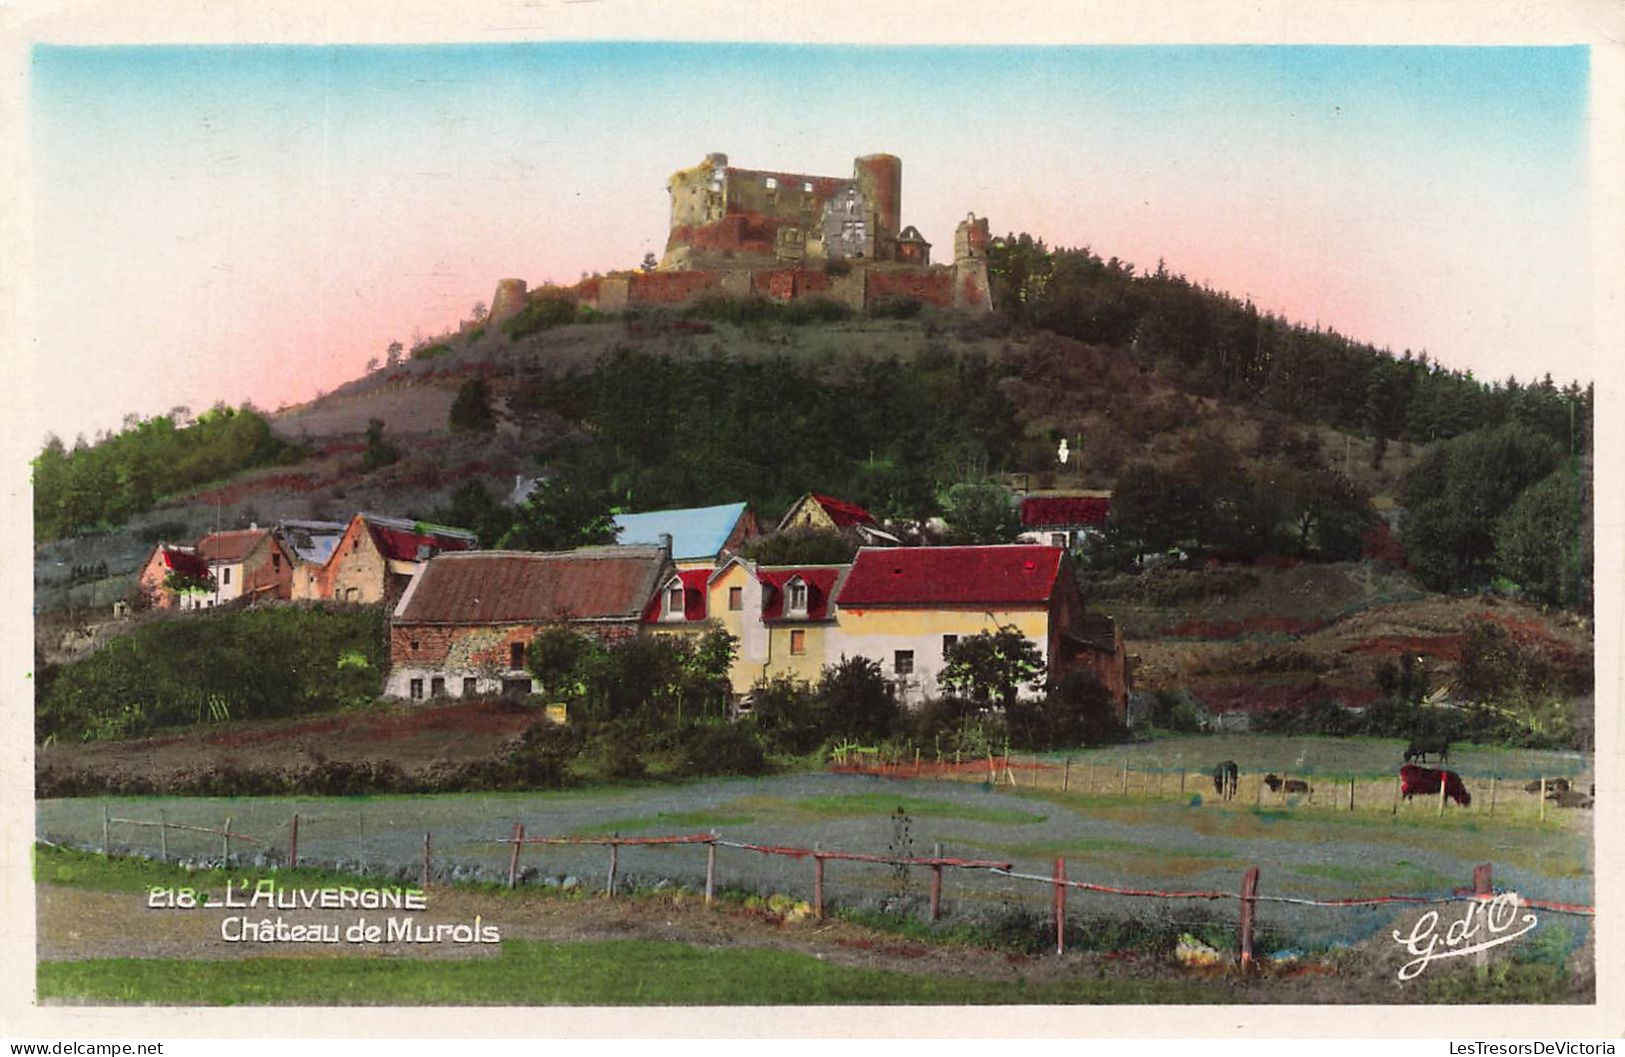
(1291, 785)
(1553, 785)
(1419, 748)
(1424, 781)
(1225, 777)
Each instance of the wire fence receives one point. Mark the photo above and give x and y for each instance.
(1246, 897)
(1533, 799)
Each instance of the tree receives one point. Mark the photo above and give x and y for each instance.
(649, 262)
(982, 513)
(857, 700)
(479, 313)
(471, 410)
(565, 663)
(788, 712)
(1454, 495)
(803, 546)
(563, 511)
(378, 452)
(1543, 542)
(473, 507)
(1075, 710)
(992, 667)
(392, 355)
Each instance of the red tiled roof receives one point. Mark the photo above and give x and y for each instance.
(923, 576)
(187, 563)
(1065, 510)
(401, 544)
(232, 546)
(844, 514)
(694, 584)
(821, 582)
(497, 587)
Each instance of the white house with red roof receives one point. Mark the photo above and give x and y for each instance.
(247, 563)
(1064, 520)
(176, 577)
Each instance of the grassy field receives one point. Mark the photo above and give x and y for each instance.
(620, 972)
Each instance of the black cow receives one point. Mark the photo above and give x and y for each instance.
(1553, 785)
(1291, 785)
(1225, 777)
(1419, 748)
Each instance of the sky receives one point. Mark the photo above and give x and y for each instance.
(237, 222)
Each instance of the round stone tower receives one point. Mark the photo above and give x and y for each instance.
(880, 180)
(509, 299)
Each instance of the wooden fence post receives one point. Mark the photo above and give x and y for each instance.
(1482, 880)
(710, 867)
(936, 882)
(1249, 898)
(513, 859)
(293, 841)
(1258, 792)
(1495, 780)
(1397, 780)
(163, 838)
(1066, 774)
(818, 884)
(1060, 905)
(1125, 776)
(1443, 786)
(1182, 783)
(614, 864)
(225, 843)
(424, 883)
(1351, 794)
(106, 830)
(1543, 798)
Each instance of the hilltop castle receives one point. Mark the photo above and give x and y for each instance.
(780, 235)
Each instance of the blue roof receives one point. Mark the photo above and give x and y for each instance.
(697, 532)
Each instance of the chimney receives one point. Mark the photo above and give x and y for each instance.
(665, 544)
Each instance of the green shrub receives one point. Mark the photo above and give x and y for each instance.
(719, 748)
(540, 314)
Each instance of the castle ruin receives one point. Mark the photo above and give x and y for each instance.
(783, 236)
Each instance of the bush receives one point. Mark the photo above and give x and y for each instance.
(788, 713)
(539, 315)
(858, 701)
(619, 748)
(1175, 710)
(719, 748)
(1077, 710)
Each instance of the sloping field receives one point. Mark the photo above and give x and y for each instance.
(1122, 842)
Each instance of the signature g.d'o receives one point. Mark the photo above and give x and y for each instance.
(1483, 925)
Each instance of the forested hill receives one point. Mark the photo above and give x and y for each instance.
(1222, 431)
(1217, 345)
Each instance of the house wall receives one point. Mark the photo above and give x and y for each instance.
(879, 633)
(809, 665)
(809, 515)
(482, 652)
(151, 580)
(744, 624)
(356, 571)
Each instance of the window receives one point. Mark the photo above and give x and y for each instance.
(772, 184)
(276, 561)
(515, 687)
(796, 595)
(948, 642)
(414, 645)
(903, 662)
(807, 187)
(225, 575)
(437, 687)
(1057, 539)
(798, 641)
(417, 689)
(471, 686)
(736, 598)
(674, 600)
(516, 655)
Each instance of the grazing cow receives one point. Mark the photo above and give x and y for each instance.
(1225, 778)
(1291, 785)
(1424, 781)
(1553, 786)
(1572, 798)
(1419, 748)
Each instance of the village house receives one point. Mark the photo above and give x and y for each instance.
(247, 563)
(311, 544)
(783, 617)
(463, 625)
(175, 577)
(1064, 520)
(377, 557)
(700, 537)
(828, 514)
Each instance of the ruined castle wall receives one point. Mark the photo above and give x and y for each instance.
(671, 288)
(971, 287)
(933, 287)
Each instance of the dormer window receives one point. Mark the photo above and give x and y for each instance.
(772, 184)
(807, 187)
(795, 597)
